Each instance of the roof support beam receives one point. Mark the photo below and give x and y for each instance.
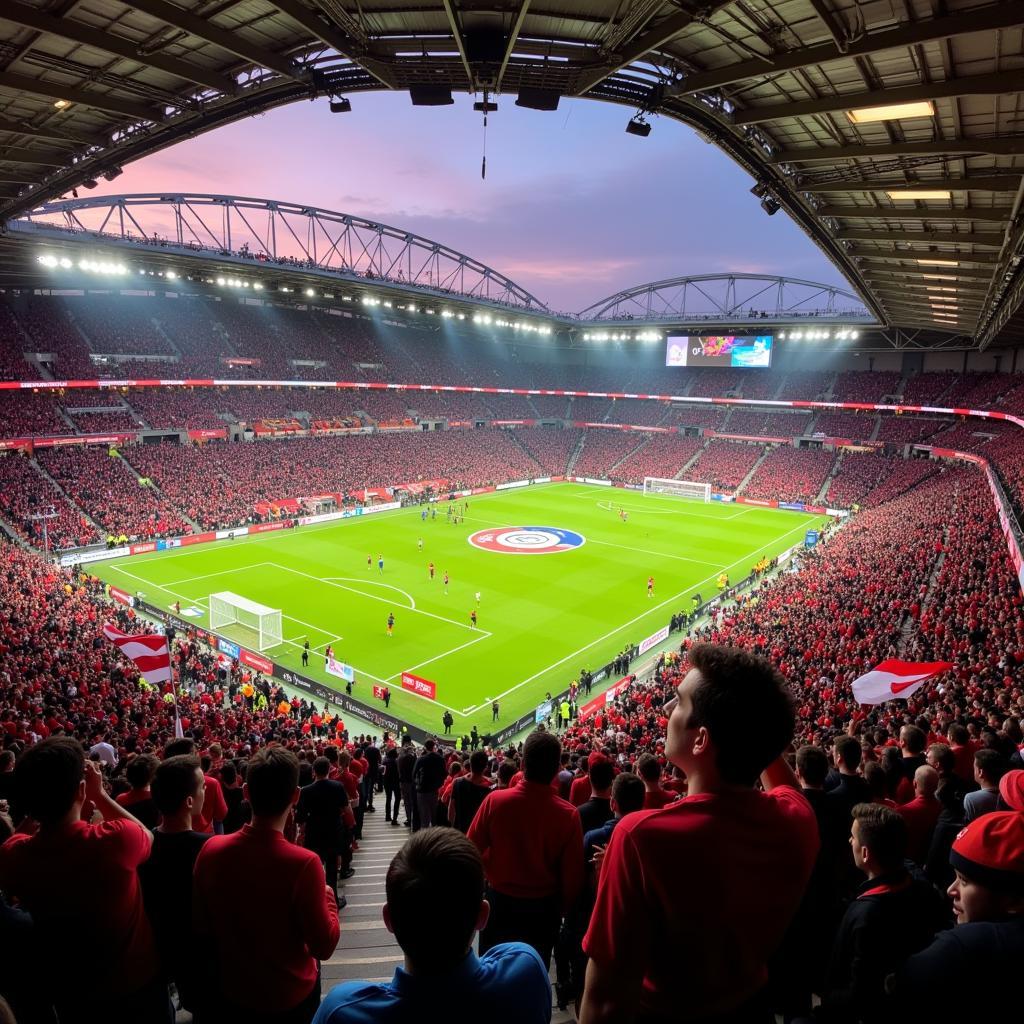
(1005, 146)
(517, 27)
(991, 239)
(888, 258)
(74, 94)
(666, 29)
(456, 28)
(1004, 15)
(981, 183)
(20, 179)
(975, 85)
(998, 215)
(53, 133)
(911, 292)
(31, 17)
(232, 42)
(44, 157)
(885, 269)
(354, 49)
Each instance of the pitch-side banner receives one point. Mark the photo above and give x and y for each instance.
(341, 670)
(653, 640)
(417, 684)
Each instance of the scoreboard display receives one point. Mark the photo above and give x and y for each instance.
(743, 350)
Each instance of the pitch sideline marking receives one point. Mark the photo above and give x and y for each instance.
(637, 618)
(371, 583)
(222, 572)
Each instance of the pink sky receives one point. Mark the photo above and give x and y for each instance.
(572, 208)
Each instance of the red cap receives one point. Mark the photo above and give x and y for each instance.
(1011, 789)
(990, 850)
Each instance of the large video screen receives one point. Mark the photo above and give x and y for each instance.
(719, 350)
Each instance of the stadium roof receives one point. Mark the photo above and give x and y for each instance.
(888, 131)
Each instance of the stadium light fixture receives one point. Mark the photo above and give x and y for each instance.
(171, 275)
(939, 288)
(939, 277)
(920, 194)
(220, 281)
(342, 105)
(891, 112)
(65, 262)
(770, 206)
(310, 293)
(638, 126)
(61, 104)
(257, 287)
(47, 260)
(939, 263)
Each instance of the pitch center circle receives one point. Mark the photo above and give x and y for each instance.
(527, 540)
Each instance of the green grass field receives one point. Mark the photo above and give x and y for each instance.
(541, 617)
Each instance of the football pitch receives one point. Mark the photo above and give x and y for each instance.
(561, 579)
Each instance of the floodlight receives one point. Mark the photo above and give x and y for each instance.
(890, 112)
(638, 126)
(921, 194)
(342, 105)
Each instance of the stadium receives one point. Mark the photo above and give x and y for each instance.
(335, 560)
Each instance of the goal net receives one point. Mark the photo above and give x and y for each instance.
(260, 625)
(677, 488)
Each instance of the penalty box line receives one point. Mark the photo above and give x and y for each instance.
(625, 625)
(484, 634)
(205, 605)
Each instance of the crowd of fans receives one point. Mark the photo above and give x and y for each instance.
(790, 474)
(603, 450)
(859, 426)
(725, 464)
(866, 877)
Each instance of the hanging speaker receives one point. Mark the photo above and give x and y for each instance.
(430, 95)
(538, 99)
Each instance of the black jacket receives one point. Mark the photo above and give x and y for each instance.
(430, 773)
(891, 918)
(320, 808)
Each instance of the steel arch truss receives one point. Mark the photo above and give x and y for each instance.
(733, 296)
(287, 234)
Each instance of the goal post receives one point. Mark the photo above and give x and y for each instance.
(261, 623)
(677, 488)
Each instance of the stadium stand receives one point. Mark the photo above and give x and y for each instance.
(27, 493)
(664, 455)
(603, 449)
(550, 448)
(790, 474)
(725, 464)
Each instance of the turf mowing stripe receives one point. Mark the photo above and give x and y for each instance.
(637, 618)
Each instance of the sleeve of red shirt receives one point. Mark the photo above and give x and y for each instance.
(133, 840)
(316, 911)
(480, 829)
(215, 807)
(619, 930)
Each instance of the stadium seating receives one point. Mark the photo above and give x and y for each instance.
(724, 464)
(550, 448)
(664, 455)
(858, 426)
(27, 493)
(603, 449)
(790, 474)
(758, 423)
(865, 386)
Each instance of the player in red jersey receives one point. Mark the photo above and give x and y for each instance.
(650, 586)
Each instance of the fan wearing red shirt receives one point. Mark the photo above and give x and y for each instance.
(80, 883)
(255, 884)
(648, 768)
(693, 899)
(532, 846)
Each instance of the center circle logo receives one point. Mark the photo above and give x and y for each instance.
(527, 540)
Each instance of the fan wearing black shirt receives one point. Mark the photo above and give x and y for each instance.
(468, 792)
(321, 810)
(178, 790)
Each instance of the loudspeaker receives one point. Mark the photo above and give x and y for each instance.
(538, 99)
(430, 95)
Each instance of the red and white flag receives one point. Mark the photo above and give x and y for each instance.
(894, 679)
(149, 651)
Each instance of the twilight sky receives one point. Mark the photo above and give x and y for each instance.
(572, 208)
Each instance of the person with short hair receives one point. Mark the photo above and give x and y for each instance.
(598, 809)
(940, 984)
(532, 848)
(469, 792)
(921, 813)
(428, 776)
(326, 817)
(711, 881)
(655, 796)
(892, 916)
(264, 907)
(989, 768)
(80, 884)
(139, 799)
(435, 905)
(179, 787)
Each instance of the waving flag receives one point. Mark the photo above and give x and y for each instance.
(894, 679)
(149, 651)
